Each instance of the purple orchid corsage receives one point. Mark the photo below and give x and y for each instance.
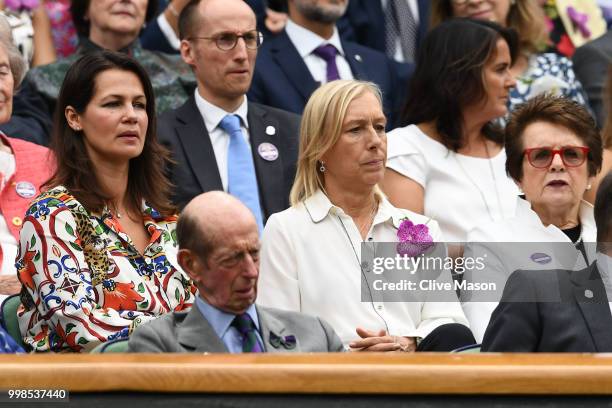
(414, 239)
(17, 5)
(288, 342)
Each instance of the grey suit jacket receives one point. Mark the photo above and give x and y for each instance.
(591, 64)
(189, 331)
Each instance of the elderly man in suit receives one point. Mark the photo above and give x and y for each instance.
(558, 310)
(218, 138)
(219, 250)
(309, 52)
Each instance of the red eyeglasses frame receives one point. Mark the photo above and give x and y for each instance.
(584, 149)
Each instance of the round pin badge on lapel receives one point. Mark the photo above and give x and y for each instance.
(588, 294)
(267, 151)
(541, 258)
(270, 130)
(25, 189)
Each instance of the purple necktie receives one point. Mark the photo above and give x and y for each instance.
(328, 53)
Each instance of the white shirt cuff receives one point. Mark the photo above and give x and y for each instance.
(168, 32)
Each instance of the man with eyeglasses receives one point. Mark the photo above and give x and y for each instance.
(219, 139)
(309, 52)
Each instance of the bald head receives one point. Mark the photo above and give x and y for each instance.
(201, 12)
(210, 216)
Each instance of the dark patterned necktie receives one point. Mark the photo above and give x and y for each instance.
(245, 326)
(400, 23)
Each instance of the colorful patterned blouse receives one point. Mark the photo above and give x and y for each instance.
(85, 283)
(173, 81)
(546, 73)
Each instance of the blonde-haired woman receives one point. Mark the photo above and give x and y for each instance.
(311, 253)
(536, 72)
(606, 134)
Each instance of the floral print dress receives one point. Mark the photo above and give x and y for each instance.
(84, 282)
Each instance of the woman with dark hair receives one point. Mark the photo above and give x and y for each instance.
(101, 24)
(97, 250)
(448, 163)
(536, 72)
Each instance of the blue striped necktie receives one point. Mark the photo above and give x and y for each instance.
(242, 181)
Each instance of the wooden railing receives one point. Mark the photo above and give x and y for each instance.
(345, 373)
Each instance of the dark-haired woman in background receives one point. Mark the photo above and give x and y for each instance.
(101, 24)
(448, 163)
(97, 250)
(536, 72)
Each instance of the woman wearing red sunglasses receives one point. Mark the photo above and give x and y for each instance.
(553, 152)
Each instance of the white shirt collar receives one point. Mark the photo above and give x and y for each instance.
(319, 207)
(305, 41)
(213, 115)
(523, 209)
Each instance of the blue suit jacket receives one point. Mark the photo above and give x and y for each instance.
(364, 23)
(282, 79)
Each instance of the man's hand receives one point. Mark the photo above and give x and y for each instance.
(381, 341)
(9, 285)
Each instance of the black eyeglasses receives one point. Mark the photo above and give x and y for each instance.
(228, 41)
(542, 157)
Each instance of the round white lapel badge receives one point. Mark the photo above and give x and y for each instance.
(588, 294)
(25, 189)
(267, 151)
(270, 130)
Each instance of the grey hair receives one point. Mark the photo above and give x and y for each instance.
(16, 62)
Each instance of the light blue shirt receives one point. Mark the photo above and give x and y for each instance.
(221, 323)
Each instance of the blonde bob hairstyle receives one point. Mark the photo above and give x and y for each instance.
(321, 128)
(525, 16)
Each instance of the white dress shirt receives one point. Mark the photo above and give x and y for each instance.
(531, 237)
(168, 32)
(305, 41)
(213, 115)
(309, 265)
(414, 8)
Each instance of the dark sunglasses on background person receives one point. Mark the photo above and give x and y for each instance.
(227, 41)
(542, 157)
